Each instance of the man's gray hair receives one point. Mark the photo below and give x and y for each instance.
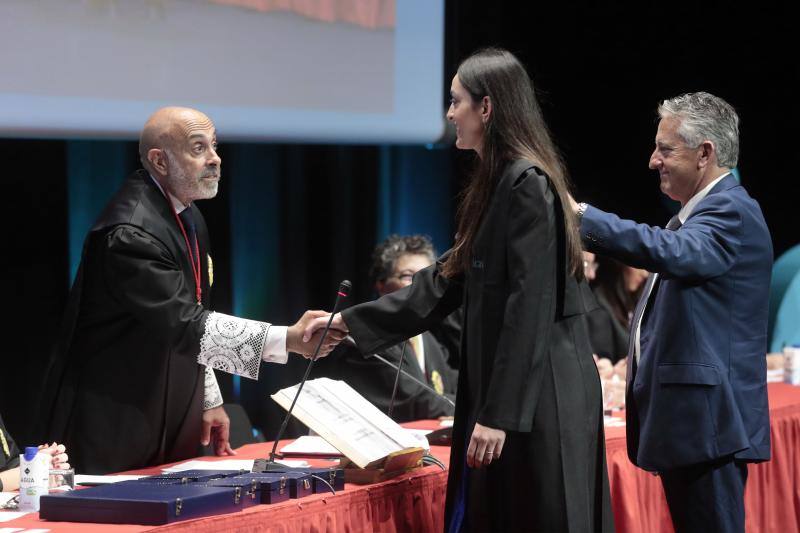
(705, 117)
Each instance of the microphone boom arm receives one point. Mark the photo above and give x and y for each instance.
(412, 378)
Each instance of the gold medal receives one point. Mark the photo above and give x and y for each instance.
(438, 384)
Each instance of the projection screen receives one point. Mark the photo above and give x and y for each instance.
(336, 71)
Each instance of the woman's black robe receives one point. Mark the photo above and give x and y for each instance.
(526, 365)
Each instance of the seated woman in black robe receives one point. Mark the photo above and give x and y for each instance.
(425, 357)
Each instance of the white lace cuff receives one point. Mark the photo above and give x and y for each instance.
(213, 396)
(232, 344)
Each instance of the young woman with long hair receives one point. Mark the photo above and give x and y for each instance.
(528, 451)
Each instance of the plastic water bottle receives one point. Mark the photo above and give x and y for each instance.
(34, 471)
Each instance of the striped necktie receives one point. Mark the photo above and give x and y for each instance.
(416, 345)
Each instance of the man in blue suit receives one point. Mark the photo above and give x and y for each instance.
(697, 408)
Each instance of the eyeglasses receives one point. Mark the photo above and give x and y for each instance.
(404, 276)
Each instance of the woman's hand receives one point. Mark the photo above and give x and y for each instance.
(485, 446)
(58, 456)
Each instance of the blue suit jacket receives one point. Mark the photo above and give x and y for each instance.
(699, 392)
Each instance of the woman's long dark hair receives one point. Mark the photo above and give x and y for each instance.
(515, 129)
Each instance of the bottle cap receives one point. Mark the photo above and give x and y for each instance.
(30, 452)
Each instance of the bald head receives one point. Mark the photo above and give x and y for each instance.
(168, 125)
(178, 147)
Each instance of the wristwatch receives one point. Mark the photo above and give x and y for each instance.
(581, 210)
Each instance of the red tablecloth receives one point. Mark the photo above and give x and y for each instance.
(410, 502)
(772, 496)
(415, 501)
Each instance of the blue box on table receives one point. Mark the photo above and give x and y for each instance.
(321, 477)
(299, 482)
(260, 489)
(333, 476)
(133, 502)
(188, 476)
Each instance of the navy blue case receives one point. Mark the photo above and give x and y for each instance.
(139, 503)
(194, 475)
(269, 489)
(333, 475)
(300, 483)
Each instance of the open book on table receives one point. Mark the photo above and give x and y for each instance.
(341, 416)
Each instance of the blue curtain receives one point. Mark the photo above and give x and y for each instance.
(415, 195)
(95, 170)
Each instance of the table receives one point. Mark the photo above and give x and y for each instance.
(772, 495)
(411, 502)
(415, 501)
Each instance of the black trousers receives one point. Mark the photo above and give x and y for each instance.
(707, 497)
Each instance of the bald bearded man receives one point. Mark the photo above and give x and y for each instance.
(131, 381)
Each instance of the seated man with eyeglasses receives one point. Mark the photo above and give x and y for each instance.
(431, 357)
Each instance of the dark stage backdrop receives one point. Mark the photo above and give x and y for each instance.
(291, 221)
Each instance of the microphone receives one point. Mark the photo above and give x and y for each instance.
(344, 291)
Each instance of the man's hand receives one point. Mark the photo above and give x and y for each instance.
(315, 326)
(304, 336)
(216, 428)
(485, 446)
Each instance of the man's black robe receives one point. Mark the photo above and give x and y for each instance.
(124, 388)
(526, 365)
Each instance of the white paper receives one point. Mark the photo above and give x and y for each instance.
(81, 479)
(775, 375)
(8, 516)
(613, 421)
(446, 423)
(311, 445)
(226, 464)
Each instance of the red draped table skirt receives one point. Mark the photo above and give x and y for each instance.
(415, 501)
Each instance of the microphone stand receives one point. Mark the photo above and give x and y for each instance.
(412, 378)
(344, 291)
(397, 380)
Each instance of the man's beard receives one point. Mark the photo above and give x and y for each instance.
(186, 188)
